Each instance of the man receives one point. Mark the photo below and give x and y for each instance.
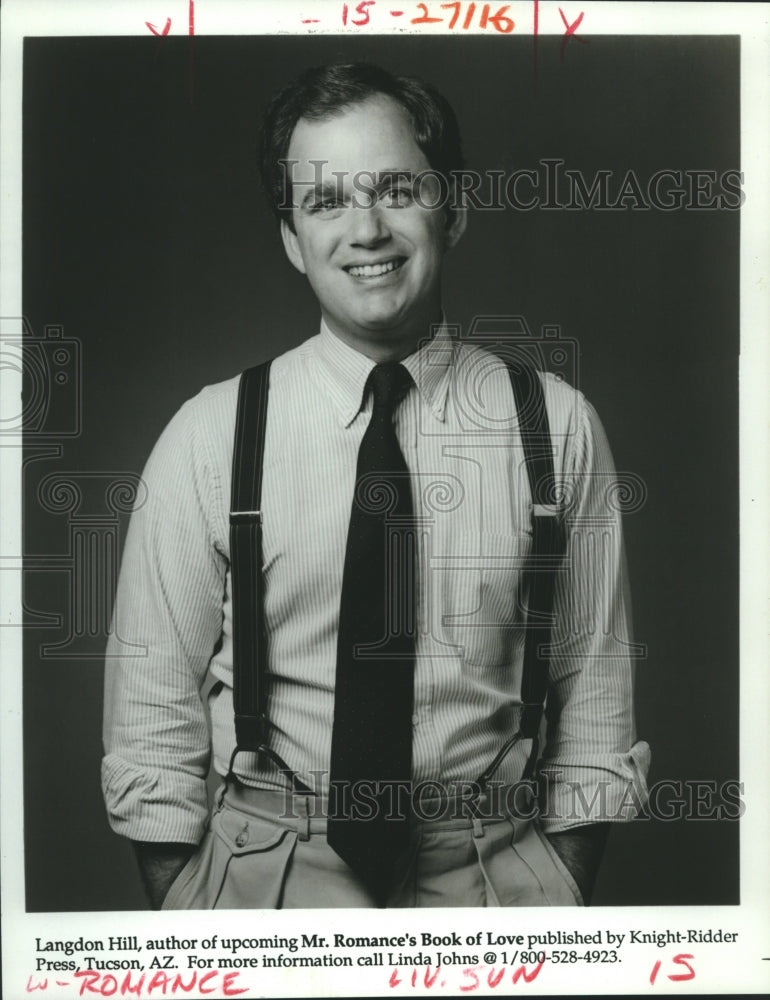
(358, 165)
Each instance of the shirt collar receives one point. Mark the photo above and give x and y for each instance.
(344, 371)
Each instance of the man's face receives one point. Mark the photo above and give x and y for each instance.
(373, 257)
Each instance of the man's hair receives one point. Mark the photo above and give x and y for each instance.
(324, 91)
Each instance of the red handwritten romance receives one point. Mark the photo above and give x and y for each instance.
(161, 984)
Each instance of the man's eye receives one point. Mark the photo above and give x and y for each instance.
(326, 205)
(397, 197)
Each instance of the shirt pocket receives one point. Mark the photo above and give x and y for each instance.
(481, 605)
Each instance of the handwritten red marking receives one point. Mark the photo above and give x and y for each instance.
(394, 980)
(682, 976)
(425, 18)
(191, 33)
(522, 971)
(499, 20)
(158, 981)
(88, 978)
(180, 984)
(492, 979)
(205, 979)
(31, 987)
(130, 987)
(59, 982)
(155, 31)
(570, 32)
(572, 28)
(467, 11)
(361, 10)
(414, 977)
(453, 19)
(428, 979)
(228, 985)
(675, 977)
(92, 982)
(471, 986)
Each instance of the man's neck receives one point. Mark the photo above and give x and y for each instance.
(384, 346)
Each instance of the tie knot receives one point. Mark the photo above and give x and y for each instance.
(390, 383)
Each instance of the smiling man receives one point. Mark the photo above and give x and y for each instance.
(376, 268)
(362, 607)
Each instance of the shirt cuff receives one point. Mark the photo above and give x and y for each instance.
(594, 788)
(152, 805)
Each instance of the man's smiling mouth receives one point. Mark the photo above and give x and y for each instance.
(375, 270)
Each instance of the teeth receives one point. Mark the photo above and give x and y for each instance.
(373, 270)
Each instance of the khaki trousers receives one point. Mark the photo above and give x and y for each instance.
(267, 850)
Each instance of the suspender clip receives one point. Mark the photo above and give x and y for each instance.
(250, 731)
(245, 516)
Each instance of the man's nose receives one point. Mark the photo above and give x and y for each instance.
(368, 226)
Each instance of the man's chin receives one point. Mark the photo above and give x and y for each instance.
(379, 326)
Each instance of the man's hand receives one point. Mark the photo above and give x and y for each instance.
(581, 851)
(159, 865)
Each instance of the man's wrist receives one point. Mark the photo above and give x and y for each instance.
(159, 866)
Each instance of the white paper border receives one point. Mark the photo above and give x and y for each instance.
(719, 969)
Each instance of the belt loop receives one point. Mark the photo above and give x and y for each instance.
(303, 819)
(471, 811)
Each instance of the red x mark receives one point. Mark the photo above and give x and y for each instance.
(571, 29)
(155, 31)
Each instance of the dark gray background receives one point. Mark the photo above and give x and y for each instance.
(147, 240)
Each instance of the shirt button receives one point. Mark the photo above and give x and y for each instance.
(416, 718)
(242, 839)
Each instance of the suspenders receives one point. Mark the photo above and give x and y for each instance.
(249, 636)
(547, 550)
(249, 667)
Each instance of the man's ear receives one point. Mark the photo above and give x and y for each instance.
(457, 220)
(291, 246)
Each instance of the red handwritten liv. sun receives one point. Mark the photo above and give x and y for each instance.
(473, 977)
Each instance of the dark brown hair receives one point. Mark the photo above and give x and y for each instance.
(324, 91)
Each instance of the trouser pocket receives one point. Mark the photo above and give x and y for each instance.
(521, 868)
(241, 864)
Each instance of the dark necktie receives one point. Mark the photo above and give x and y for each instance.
(372, 733)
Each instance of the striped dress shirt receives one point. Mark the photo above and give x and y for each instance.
(172, 628)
